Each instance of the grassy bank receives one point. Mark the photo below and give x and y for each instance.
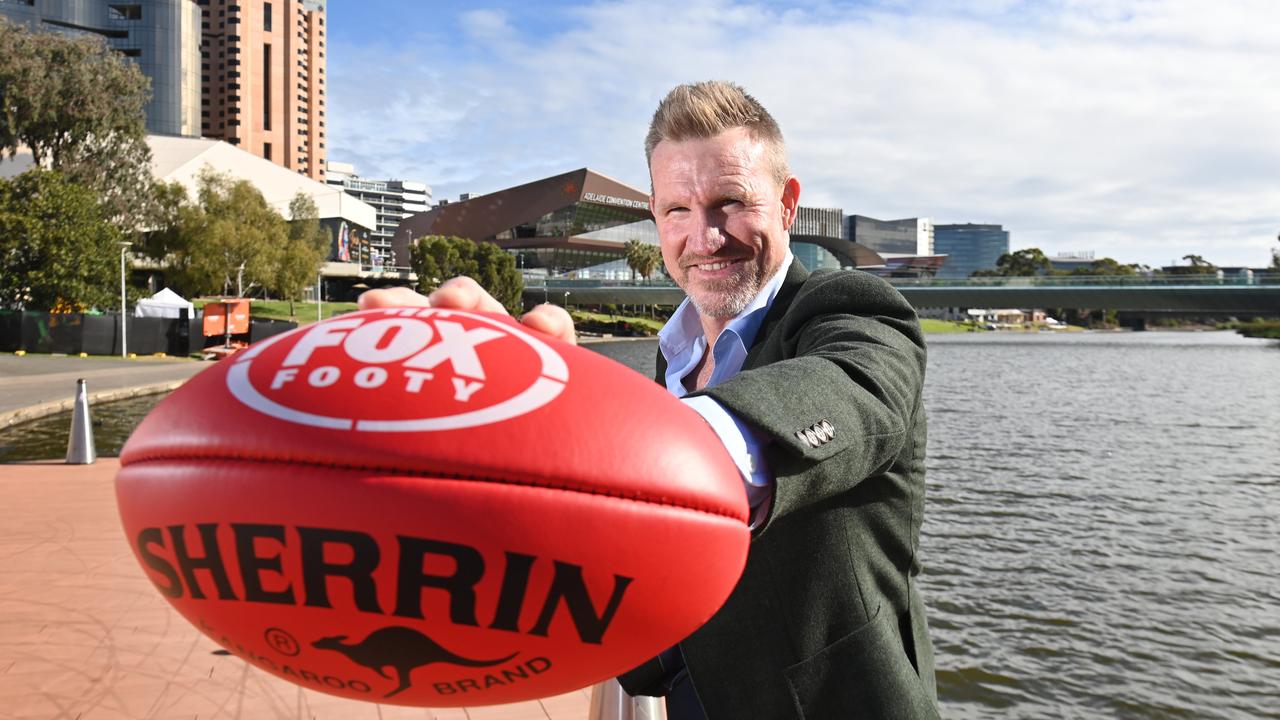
(1258, 329)
(279, 309)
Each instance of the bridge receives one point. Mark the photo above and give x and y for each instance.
(1257, 295)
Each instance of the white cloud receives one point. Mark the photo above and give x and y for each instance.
(1142, 130)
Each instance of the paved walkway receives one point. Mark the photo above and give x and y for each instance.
(84, 635)
(35, 385)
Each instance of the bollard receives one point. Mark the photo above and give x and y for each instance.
(80, 443)
(610, 702)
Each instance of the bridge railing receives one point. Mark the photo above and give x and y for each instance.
(1095, 281)
(1160, 280)
(571, 283)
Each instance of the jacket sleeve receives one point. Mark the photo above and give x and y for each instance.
(836, 387)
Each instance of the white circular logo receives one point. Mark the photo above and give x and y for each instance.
(399, 370)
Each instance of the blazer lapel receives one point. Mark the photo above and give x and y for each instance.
(795, 279)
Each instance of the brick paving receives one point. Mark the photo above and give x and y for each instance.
(85, 636)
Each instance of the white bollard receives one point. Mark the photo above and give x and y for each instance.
(80, 442)
(610, 702)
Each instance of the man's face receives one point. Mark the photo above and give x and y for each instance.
(722, 218)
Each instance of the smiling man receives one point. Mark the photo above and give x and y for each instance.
(813, 383)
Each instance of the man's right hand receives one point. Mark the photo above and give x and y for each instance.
(463, 293)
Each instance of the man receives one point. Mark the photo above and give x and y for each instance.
(813, 383)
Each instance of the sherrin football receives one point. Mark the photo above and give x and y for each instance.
(433, 507)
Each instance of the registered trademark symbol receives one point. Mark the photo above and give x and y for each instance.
(282, 642)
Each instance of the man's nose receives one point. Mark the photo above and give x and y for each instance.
(707, 237)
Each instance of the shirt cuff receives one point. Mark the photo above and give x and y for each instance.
(747, 451)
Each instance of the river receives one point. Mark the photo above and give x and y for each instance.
(1101, 535)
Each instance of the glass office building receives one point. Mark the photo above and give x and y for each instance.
(911, 236)
(969, 248)
(162, 37)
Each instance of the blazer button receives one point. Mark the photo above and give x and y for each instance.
(812, 437)
(804, 438)
(828, 428)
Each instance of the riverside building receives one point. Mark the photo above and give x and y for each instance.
(969, 248)
(394, 200)
(162, 37)
(575, 224)
(262, 75)
(911, 236)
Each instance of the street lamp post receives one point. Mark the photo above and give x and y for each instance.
(566, 299)
(319, 288)
(124, 320)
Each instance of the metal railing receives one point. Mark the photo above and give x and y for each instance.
(1049, 281)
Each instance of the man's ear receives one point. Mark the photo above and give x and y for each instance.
(790, 201)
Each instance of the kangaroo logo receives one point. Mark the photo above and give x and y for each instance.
(402, 648)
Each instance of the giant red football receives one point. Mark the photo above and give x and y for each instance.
(433, 507)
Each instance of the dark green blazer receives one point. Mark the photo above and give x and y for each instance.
(826, 622)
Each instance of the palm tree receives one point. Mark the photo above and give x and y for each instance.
(650, 257)
(635, 251)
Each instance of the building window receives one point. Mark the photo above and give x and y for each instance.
(266, 148)
(266, 86)
(266, 17)
(124, 12)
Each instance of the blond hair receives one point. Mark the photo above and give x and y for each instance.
(706, 109)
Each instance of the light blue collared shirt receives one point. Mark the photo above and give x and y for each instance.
(683, 344)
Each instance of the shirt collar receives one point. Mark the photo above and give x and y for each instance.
(684, 328)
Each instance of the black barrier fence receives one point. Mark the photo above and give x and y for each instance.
(75, 333)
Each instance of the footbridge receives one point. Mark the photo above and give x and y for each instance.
(1256, 295)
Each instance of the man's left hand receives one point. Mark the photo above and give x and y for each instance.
(463, 293)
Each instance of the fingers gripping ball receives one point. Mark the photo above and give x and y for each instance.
(433, 507)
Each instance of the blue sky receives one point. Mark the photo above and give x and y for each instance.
(1142, 130)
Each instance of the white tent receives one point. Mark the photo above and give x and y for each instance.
(164, 304)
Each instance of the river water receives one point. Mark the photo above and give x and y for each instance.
(1101, 536)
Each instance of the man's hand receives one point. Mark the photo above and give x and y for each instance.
(463, 293)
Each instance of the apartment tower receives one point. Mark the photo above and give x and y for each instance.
(262, 79)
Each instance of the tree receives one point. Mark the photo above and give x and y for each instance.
(1275, 256)
(57, 248)
(436, 258)
(642, 257)
(229, 232)
(299, 259)
(1196, 265)
(78, 106)
(1106, 266)
(1023, 263)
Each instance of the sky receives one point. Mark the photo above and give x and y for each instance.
(1142, 130)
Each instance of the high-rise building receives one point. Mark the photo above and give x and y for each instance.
(969, 248)
(912, 236)
(393, 199)
(161, 36)
(262, 79)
